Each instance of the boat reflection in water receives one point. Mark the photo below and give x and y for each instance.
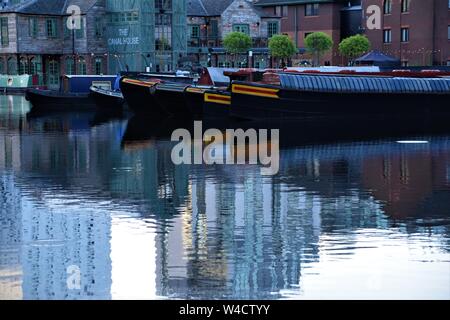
(348, 219)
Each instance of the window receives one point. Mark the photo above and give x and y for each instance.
(163, 4)
(284, 11)
(213, 29)
(79, 33)
(33, 27)
(272, 29)
(70, 66)
(307, 34)
(405, 63)
(387, 7)
(2, 66)
(35, 66)
(99, 28)
(448, 32)
(11, 66)
(23, 66)
(244, 28)
(277, 10)
(163, 32)
(81, 66)
(67, 31)
(121, 17)
(312, 9)
(4, 33)
(195, 31)
(51, 28)
(405, 5)
(98, 65)
(404, 34)
(53, 73)
(387, 36)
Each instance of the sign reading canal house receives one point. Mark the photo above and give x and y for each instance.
(124, 39)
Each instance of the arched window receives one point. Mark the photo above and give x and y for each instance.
(12, 66)
(23, 65)
(33, 66)
(405, 5)
(70, 66)
(387, 8)
(81, 66)
(53, 73)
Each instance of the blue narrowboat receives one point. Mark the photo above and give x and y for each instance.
(73, 95)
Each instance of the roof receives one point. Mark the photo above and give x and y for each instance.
(207, 8)
(287, 2)
(215, 8)
(46, 7)
(196, 8)
(376, 56)
(364, 84)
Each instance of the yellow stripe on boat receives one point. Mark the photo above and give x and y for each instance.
(255, 91)
(139, 83)
(217, 98)
(195, 90)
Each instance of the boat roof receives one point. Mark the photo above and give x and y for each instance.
(326, 69)
(217, 76)
(70, 76)
(363, 84)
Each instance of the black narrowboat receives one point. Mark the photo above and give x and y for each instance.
(312, 95)
(194, 97)
(51, 100)
(139, 95)
(107, 99)
(171, 97)
(217, 103)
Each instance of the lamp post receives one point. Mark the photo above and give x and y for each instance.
(73, 48)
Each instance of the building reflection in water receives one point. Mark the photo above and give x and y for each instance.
(140, 227)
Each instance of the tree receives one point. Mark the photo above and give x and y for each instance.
(237, 42)
(354, 46)
(281, 46)
(318, 43)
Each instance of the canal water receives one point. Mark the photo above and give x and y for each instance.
(92, 207)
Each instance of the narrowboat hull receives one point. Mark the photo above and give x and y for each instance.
(107, 99)
(217, 104)
(171, 97)
(194, 98)
(139, 96)
(48, 100)
(252, 101)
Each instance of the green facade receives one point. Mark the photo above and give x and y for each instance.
(145, 33)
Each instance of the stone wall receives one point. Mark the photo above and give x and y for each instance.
(41, 43)
(243, 12)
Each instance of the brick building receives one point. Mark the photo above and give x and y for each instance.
(209, 21)
(35, 39)
(302, 17)
(415, 31)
